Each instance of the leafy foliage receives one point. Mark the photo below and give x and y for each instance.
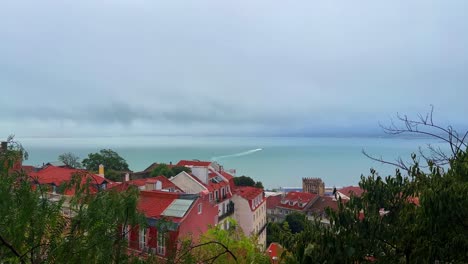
(227, 246)
(107, 157)
(168, 171)
(33, 228)
(247, 181)
(70, 159)
(296, 221)
(421, 218)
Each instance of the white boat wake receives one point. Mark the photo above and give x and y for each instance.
(236, 154)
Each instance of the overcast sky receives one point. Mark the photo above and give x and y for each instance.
(84, 68)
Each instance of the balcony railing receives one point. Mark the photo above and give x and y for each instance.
(229, 211)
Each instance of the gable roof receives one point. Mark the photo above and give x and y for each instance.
(248, 192)
(58, 175)
(273, 201)
(157, 204)
(351, 190)
(292, 200)
(274, 250)
(191, 163)
(323, 202)
(165, 182)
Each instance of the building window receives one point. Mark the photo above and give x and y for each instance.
(161, 248)
(216, 195)
(211, 197)
(199, 208)
(143, 238)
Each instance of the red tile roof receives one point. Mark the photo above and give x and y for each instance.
(165, 182)
(226, 175)
(349, 190)
(318, 207)
(194, 163)
(274, 251)
(153, 203)
(230, 179)
(273, 201)
(248, 192)
(296, 198)
(58, 175)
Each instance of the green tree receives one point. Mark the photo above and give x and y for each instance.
(107, 157)
(70, 160)
(296, 221)
(168, 171)
(162, 169)
(34, 230)
(226, 246)
(178, 169)
(259, 184)
(418, 215)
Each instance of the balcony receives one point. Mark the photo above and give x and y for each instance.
(229, 211)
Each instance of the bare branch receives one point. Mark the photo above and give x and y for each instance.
(424, 125)
(11, 248)
(399, 163)
(212, 259)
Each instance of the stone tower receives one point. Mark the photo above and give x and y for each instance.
(313, 185)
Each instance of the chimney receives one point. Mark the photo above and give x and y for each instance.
(127, 177)
(101, 171)
(201, 173)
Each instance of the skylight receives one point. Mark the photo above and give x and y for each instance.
(178, 208)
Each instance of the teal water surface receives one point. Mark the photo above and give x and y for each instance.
(276, 161)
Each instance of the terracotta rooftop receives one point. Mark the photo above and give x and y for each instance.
(58, 175)
(274, 251)
(154, 204)
(165, 182)
(351, 190)
(297, 200)
(194, 163)
(318, 207)
(273, 201)
(248, 192)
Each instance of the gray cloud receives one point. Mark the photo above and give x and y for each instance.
(245, 67)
